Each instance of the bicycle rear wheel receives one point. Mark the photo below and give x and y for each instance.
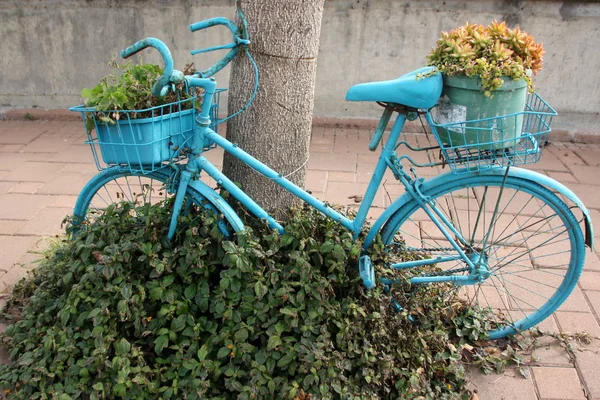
(530, 241)
(116, 185)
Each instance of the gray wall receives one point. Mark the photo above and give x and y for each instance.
(51, 49)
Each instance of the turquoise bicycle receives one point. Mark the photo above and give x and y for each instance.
(503, 237)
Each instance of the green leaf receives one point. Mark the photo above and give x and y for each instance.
(261, 357)
(179, 323)
(274, 341)
(292, 312)
(126, 292)
(223, 352)
(260, 289)
(229, 247)
(122, 347)
(160, 343)
(241, 335)
(190, 292)
(202, 352)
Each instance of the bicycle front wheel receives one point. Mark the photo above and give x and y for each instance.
(528, 240)
(116, 185)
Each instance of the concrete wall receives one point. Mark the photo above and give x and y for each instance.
(51, 49)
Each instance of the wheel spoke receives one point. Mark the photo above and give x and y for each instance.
(527, 238)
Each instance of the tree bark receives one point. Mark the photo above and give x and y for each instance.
(284, 36)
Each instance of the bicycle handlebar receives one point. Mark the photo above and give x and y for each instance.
(213, 22)
(160, 87)
(170, 75)
(239, 39)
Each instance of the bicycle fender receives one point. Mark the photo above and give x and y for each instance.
(219, 203)
(514, 171)
(560, 188)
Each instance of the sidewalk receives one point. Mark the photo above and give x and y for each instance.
(44, 165)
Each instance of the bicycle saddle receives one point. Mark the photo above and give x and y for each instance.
(409, 90)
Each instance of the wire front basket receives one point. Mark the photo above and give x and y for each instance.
(502, 141)
(143, 140)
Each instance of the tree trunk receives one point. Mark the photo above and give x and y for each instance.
(284, 36)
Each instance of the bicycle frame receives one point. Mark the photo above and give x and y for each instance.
(205, 137)
(477, 261)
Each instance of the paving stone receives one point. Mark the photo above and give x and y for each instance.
(508, 386)
(34, 172)
(22, 133)
(587, 193)
(10, 227)
(74, 153)
(66, 184)
(13, 248)
(47, 222)
(341, 193)
(368, 158)
(563, 177)
(550, 352)
(341, 177)
(558, 383)
(26, 187)
(78, 168)
(321, 144)
(548, 162)
(64, 201)
(12, 276)
(591, 157)
(10, 148)
(10, 161)
(46, 145)
(595, 215)
(549, 325)
(590, 280)
(332, 162)
(5, 187)
(566, 156)
(574, 322)
(351, 145)
(215, 156)
(592, 261)
(21, 206)
(594, 299)
(316, 180)
(364, 173)
(587, 174)
(589, 368)
(575, 302)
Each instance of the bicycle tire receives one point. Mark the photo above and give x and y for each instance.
(116, 185)
(533, 268)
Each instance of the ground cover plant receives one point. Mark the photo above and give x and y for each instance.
(120, 312)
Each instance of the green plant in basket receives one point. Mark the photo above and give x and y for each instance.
(131, 90)
(487, 73)
(493, 54)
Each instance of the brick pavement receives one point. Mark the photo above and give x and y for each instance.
(44, 164)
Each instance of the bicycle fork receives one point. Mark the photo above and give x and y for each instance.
(184, 181)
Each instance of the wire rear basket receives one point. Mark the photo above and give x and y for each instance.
(143, 140)
(502, 141)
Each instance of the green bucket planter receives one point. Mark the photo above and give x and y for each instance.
(470, 119)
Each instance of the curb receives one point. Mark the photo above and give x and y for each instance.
(561, 132)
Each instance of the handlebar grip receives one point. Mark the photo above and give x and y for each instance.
(212, 22)
(162, 48)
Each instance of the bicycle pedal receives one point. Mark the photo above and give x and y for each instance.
(366, 271)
